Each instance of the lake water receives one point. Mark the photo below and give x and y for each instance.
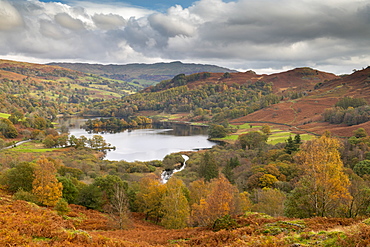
(150, 144)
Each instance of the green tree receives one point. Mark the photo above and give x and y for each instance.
(170, 160)
(217, 131)
(292, 145)
(70, 191)
(360, 132)
(20, 177)
(362, 168)
(252, 140)
(208, 168)
(91, 196)
(107, 184)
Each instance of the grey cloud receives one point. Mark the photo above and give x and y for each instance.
(170, 26)
(244, 33)
(49, 29)
(65, 20)
(10, 18)
(108, 22)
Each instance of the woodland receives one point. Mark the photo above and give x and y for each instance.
(292, 167)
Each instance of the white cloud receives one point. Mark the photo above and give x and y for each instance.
(264, 35)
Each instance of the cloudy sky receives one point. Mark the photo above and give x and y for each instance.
(262, 35)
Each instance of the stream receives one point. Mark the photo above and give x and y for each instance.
(166, 175)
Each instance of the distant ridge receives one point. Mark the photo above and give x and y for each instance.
(145, 74)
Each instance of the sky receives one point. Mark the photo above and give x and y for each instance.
(265, 36)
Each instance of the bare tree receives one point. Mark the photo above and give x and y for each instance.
(118, 207)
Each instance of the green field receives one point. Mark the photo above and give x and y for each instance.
(32, 147)
(276, 136)
(4, 115)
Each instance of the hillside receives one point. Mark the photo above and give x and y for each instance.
(306, 113)
(26, 224)
(144, 74)
(54, 85)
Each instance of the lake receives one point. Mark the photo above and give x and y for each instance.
(149, 144)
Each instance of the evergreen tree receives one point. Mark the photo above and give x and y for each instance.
(208, 168)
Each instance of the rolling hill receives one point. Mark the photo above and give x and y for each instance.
(144, 74)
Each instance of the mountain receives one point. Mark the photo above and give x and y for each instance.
(145, 74)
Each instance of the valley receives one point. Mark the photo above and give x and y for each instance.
(291, 168)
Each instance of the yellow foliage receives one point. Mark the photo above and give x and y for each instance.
(46, 187)
(325, 182)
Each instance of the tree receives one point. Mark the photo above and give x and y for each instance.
(217, 131)
(292, 145)
(150, 196)
(176, 209)
(266, 130)
(107, 185)
(269, 201)
(70, 191)
(7, 128)
(323, 186)
(198, 189)
(170, 160)
(252, 140)
(359, 133)
(220, 202)
(20, 177)
(91, 196)
(362, 168)
(119, 206)
(45, 185)
(208, 168)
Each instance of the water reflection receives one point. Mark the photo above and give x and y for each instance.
(149, 143)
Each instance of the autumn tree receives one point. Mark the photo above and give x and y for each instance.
(197, 190)
(220, 202)
(176, 209)
(150, 196)
(46, 186)
(269, 201)
(266, 130)
(323, 186)
(7, 128)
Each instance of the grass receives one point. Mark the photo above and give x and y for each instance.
(32, 147)
(282, 136)
(245, 126)
(277, 135)
(4, 115)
